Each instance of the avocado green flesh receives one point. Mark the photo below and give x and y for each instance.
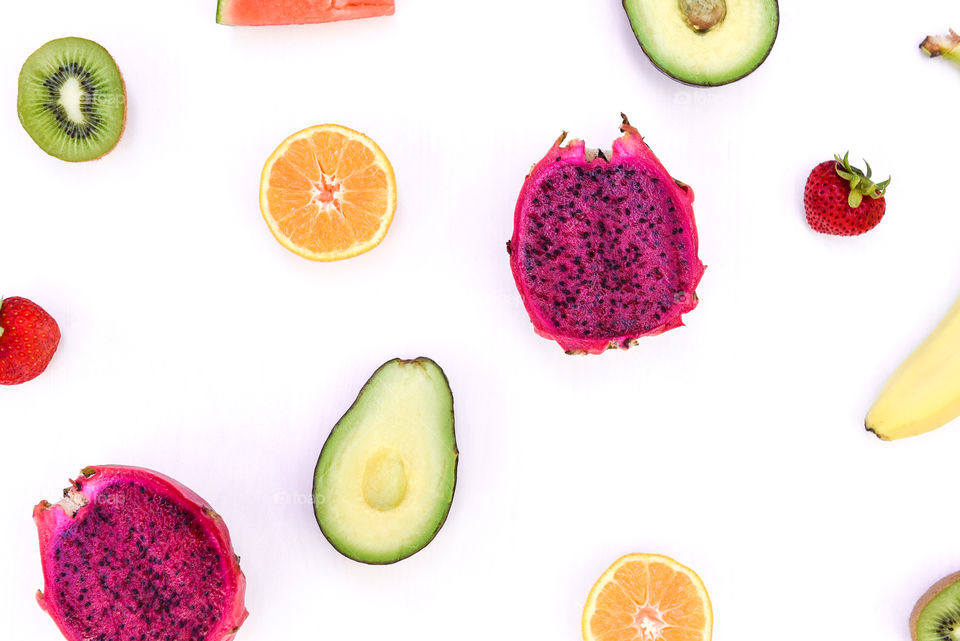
(71, 99)
(940, 619)
(726, 52)
(386, 475)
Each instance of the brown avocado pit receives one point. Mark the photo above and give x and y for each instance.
(705, 42)
(703, 15)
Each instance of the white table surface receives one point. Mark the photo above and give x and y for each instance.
(196, 345)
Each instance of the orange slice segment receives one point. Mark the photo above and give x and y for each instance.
(648, 597)
(328, 193)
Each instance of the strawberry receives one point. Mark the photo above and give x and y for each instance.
(28, 338)
(834, 198)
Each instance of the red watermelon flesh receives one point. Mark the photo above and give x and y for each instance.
(267, 12)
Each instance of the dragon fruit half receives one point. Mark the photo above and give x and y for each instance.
(131, 554)
(604, 249)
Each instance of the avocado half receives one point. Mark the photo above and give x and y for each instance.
(705, 42)
(386, 475)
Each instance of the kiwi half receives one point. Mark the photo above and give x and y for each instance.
(71, 99)
(936, 617)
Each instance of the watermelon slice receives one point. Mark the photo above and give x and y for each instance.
(264, 12)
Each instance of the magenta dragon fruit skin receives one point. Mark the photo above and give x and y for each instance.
(604, 250)
(132, 554)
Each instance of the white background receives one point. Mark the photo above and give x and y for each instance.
(196, 345)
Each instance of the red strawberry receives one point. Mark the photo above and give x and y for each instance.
(834, 198)
(28, 338)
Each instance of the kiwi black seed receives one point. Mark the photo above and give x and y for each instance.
(936, 617)
(71, 99)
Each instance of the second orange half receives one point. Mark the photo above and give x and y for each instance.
(648, 597)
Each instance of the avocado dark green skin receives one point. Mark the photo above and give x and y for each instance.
(776, 31)
(456, 463)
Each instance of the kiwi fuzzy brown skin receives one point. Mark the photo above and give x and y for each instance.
(927, 597)
(776, 31)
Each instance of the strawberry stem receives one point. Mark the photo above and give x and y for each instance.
(860, 183)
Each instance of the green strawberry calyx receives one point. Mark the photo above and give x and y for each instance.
(860, 183)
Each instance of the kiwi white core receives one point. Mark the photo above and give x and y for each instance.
(72, 96)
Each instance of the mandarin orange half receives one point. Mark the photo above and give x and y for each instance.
(648, 597)
(328, 193)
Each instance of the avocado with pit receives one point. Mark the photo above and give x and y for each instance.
(705, 42)
(385, 479)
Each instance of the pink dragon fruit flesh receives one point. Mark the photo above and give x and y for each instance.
(132, 554)
(604, 246)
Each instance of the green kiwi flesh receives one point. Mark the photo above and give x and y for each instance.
(71, 99)
(937, 615)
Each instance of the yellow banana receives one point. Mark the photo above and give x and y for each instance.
(924, 392)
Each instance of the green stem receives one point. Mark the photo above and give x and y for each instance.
(860, 183)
